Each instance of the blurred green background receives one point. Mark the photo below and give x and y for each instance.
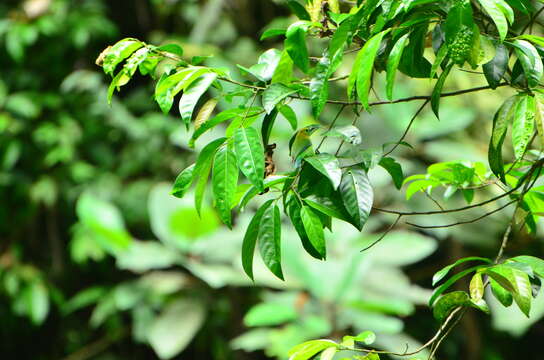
(99, 261)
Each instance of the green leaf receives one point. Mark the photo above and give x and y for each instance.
(500, 293)
(497, 15)
(319, 85)
(440, 56)
(169, 86)
(183, 182)
(268, 124)
(440, 274)
(328, 165)
(224, 181)
(366, 337)
(295, 44)
(250, 155)
(192, 94)
(119, 52)
(476, 287)
(250, 239)
(459, 31)
(298, 10)
(284, 71)
(413, 63)
(447, 303)
(440, 290)
(293, 208)
(202, 170)
(289, 115)
(535, 263)
(501, 120)
(393, 63)
(37, 301)
(274, 94)
(366, 65)
(314, 229)
(523, 124)
(539, 116)
(530, 61)
(172, 49)
(220, 118)
(357, 195)
(266, 65)
(308, 349)
(126, 73)
(437, 91)
(394, 169)
(253, 190)
(496, 68)
(272, 33)
(269, 239)
(516, 282)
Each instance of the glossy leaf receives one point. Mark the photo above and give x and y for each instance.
(202, 170)
(205, 112)
(393, 63)
(501, 121)
(295, 44)
(447, 303)
(497, 15)
(437, 91)
(442, 273)
(446, 285)
(366, 65)
(183, 181)
(220, 118)
(250, 239)
(269, 239)
(476, 287)
(523, 124)
(314, 229)
(357, 195)
(224, 181)
(274, 94)
(119, 52)
(394, 169)
(250, 155)
(293, 208)
(516, 282)
(348, 133)
(192, 94)
(309, 349)
(500, 293)
(496, 68)
(530, 61)
(328, 165)
(289, 115)
(535, 263)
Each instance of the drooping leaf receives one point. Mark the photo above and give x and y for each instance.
(169, 86)
(250, 239)
(269, 239)
(224, 181)
(516, 282)
(268, 124)
(192, 94)
(284, 71)
(328, 165)
(501, 121)
(364, 72)
(447, 284)
(289, 115)
(539, 116)
(497, 15)
(496, 68)
(535, 263)
(530, 61)
(295, 44)
(357, 195)
(314, 229)
(393, 63)
(293, 208)
(394, 169)
(298, 10)
(250, 155)
(202, 169)
(437, 91)
(500, 293)
(523, 124)
(183, 181)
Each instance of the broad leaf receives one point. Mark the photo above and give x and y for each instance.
(314, 229)
(501, 121)
(274, 94)
(250, 239)
(496, 68)
(309, 349)
(202, 170)
(523, 124)
(183, 182)
(394, 169)
(119, 52)
(295, 44)
(530, 61)
(500, 293)
(328, 165)
(393, 63)
(192, 94)
(495, 12)
(366, 65)
(357, 195)
(224, 181)
(442, 273)
(269, 239)
(447, 303)
(250, 155)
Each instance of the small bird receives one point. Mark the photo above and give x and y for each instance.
(300, 144)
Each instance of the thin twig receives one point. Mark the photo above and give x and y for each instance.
(391, 227)
(408, 127)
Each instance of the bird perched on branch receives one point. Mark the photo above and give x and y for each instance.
(300, 144)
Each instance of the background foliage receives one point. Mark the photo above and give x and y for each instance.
(98, 260)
